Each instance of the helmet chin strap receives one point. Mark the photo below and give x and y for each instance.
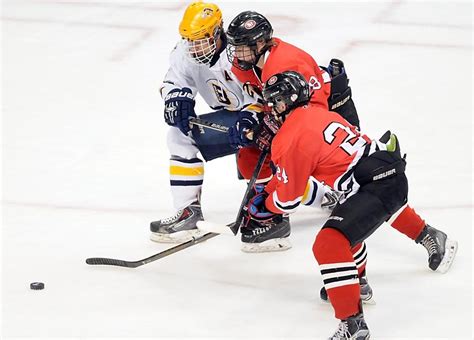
(259, 56)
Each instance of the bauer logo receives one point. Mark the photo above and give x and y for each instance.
(272, 80)
(336, 218)
(385, 174)
(249, 24)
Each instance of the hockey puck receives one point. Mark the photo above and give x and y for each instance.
(37, 285)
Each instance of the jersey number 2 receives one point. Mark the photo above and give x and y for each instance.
(353, 141)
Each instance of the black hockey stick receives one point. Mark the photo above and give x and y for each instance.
(234, 226)
(160, 255)
(195, 240)
(208, 125)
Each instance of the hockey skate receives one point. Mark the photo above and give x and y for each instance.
(266, 237)
(178, 228)
(353, 328)
(441, 250)
(366, 293)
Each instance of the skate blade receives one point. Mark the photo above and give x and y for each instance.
(276, 244)
(178, 237)
(450, 252)
(213, 227)
(368, 300)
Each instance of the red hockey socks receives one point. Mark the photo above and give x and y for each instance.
(408, 222)
(338, 269)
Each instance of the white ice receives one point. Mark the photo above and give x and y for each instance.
(85, 169)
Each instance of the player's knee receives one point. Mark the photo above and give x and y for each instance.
(327, 243)
(180, 145)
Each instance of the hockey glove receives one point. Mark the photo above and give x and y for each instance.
(266, 131)
(240, 133)
(340, 99)
(257, 210)
(179, 107)
(336, 67)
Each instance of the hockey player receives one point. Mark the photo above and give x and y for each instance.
(314, 142)
(198, 64)
(256, 56)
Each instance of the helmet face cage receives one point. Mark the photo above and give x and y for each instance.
(201, 51)
(242, 56)
(242, 36)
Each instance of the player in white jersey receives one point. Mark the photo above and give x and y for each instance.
(198, 64)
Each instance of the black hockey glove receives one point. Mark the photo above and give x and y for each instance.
(266, 131)
(340, 100)
(239, 133)
(179, 107)
(336, 67)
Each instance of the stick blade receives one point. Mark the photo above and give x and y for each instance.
(214, 227)
(94, 261)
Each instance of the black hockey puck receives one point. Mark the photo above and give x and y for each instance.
(37, 285)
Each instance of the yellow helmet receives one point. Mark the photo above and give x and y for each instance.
(200, 20)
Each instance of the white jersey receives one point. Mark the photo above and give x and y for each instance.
(217, 85)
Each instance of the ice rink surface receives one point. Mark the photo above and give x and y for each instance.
(85, 169)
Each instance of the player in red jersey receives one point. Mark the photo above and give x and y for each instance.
(314, 142)
(255, 55)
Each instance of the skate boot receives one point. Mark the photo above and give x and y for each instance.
(178, 228)
(353, 327)
(266, 237)
(366, 294)
(441, 250)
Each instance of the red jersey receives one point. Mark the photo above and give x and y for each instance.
(319, 143)
(286, 57)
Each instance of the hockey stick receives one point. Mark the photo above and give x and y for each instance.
(240, 216)
(208, 125)
(195, 240)
(160, 255)
(235, 226)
